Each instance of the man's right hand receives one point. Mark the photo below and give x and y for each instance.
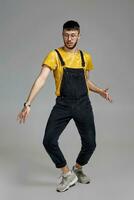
(23, 114)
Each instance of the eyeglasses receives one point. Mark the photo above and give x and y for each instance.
(73, 36)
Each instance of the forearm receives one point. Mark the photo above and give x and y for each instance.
(93, 87)
(38, 84)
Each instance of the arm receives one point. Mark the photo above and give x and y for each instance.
(103, 92)
(36, 87)
(38, 84)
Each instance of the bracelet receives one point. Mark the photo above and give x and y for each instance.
(26, 105)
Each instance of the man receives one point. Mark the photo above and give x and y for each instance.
(71, 68)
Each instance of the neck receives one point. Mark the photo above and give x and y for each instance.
(74, 50)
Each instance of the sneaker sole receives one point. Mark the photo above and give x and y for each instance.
(84, 183)
(73, 183)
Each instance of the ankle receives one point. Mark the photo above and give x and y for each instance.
(77, 166)
(65, 170)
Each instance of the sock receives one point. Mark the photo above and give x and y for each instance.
(75, 168)
(66, 174)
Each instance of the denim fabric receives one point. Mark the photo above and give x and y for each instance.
(74, 103)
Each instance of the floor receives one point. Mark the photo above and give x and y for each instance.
(26, 171)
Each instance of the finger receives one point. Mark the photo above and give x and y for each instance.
(25, 116)
(105, 95)
(109, 98)
(19, 118)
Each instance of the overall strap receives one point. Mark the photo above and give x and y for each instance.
(61, 59)
(82, 59)
(63, 63)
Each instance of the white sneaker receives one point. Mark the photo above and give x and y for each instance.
(67, 181)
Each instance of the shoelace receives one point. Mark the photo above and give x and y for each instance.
(63, 179)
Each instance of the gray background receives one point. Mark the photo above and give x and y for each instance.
(29, 29)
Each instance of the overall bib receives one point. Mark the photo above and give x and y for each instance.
(73, 103)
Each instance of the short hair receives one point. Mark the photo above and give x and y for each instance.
(69, 25)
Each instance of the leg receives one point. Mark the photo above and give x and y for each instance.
(86, 127)
(58, 119)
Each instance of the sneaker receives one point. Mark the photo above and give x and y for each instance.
(82, 178)
(67, 181)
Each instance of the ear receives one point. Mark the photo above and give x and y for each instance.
(79, 36)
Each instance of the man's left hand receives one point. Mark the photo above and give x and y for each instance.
(104, 93)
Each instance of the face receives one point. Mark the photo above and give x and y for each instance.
(70, 38)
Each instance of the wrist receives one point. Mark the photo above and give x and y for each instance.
(26, 104)
(100, 91)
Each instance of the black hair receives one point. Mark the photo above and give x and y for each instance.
(71, 25)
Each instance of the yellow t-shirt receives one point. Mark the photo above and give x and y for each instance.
(72, 60)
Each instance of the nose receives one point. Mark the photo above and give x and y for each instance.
(69, 37)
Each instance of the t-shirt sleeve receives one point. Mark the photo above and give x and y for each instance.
(89, 63)
(50, 60)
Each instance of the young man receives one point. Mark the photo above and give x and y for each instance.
(70, 68)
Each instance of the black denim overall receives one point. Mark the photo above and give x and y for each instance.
(73, 103)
